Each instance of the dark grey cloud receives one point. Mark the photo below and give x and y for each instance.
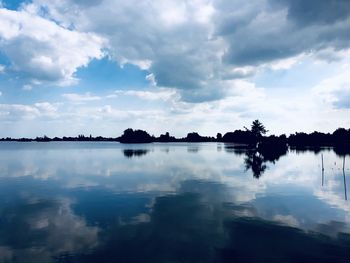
(177, 71)
(272, 30)
(316, 11)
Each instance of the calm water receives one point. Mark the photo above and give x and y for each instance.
(107, 202)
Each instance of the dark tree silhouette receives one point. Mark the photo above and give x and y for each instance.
(250, 136)
(166, 138)
(239, 136)
(255, 137)
(258, 130)
(135, 136)
(195, 137)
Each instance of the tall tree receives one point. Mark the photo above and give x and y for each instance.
(258, 129)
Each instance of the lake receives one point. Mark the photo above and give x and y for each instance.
(180, 202)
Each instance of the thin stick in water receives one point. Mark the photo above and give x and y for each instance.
(322, 170)
(345, 192)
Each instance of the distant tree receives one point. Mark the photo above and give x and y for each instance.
(258, 129)
(166, 138)
(239, 136)
(194, 137)
(135, 136)
(341, 135)
(219, 137)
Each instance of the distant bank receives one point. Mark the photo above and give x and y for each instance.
(253, 136)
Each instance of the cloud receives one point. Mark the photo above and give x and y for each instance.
(43, 51)
(172, 39)
(316, 11)
(27, 87)
(225, 62)
(16, 112)
(272, 30)
(47, 109)
(192, 46)
(335, 90)
(150, 95)
(195, 46)
(80, 98)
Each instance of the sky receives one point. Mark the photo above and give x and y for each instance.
(70, 67)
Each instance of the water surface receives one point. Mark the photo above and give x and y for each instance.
(207, 202)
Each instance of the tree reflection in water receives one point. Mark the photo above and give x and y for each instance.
(255, 162)
(256, 158)
(130, 153)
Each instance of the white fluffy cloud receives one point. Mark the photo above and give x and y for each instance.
(196, 46)
(151, 95)
(335, 90)
(17, 112)
(43, 51)
(80, 98)
(172, 39)
(192, 46)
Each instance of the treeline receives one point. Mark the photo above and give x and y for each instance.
(339, 137)
(45, 138)
(253, 136)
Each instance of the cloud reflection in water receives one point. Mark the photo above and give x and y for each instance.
(89, 203)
